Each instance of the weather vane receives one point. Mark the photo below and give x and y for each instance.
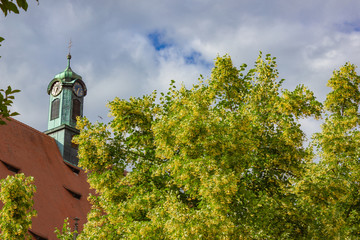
(70, 44)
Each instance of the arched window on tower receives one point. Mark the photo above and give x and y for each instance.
(55, 105)
(76, 108)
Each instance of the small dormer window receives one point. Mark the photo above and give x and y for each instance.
(73, 169)
(55, 106)
(74, 194)
(36, 236)
(10, 167)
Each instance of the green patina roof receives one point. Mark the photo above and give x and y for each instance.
(67, 77)
(68, 73)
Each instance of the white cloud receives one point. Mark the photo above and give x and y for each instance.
(114, 55)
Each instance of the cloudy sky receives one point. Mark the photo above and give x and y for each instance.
(130, 48)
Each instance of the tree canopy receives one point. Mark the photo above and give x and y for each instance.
(329, 191)
(218, 161)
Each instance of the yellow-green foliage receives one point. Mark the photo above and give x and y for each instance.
(65, 233)
(329, 191)
(216, 161)
(16, 193)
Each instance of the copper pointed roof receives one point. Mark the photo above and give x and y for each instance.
(68, 74)
(67, 77)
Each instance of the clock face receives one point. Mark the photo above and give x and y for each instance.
(78, 89)
(56, 89)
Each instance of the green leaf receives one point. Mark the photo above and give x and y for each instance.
(15, 91)
(8, 90)
(12, 7)
(22, 4)
(14, 114)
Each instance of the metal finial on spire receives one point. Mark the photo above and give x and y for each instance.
(69, 55)
(70, 44)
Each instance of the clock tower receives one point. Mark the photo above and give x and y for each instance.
(67, 91)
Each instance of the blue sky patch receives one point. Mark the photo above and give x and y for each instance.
(349, 27)
(196, 58)
(192, 58)
(158, 40)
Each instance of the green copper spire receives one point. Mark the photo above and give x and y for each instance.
(69, 58)
(68, 74)
(67, 92)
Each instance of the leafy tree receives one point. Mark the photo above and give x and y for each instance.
(6, 100)
(16, 193)
(216, 161)
(329, 192)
